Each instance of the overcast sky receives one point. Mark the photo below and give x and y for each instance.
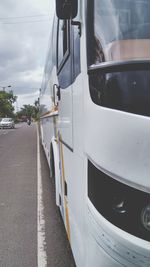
(24, 35)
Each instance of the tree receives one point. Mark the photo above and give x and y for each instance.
(6, 104)
(29, 111)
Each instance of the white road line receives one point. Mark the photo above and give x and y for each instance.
(41, 243)
(5, 133)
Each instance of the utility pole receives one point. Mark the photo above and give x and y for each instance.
(3, 87)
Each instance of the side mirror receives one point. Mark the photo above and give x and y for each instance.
(66, 9)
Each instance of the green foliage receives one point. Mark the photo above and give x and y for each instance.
(6, 104)
(30, 111)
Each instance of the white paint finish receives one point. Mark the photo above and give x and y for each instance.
(57, 170)
(97, 257)
(119, 143)
(121, 248)
(41, 243)
(116, 141)
(74, 174)
(47, 127)
(65, 123)
(78, 116)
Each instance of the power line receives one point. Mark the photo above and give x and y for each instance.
(22, 22)
(21, 17)
(37, 88)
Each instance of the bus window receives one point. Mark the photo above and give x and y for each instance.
(119, 54)
(127, 91)
(121, 30)
(62, 43)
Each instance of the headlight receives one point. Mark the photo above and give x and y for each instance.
(145, 217)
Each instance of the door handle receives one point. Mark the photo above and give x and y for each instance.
(56, 91)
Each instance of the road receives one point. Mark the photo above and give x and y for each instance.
(19, 233)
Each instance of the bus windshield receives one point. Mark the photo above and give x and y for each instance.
(121, 30)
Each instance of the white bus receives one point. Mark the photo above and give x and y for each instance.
(95, 128)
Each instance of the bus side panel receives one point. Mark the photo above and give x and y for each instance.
(74, 209)
(47, 135)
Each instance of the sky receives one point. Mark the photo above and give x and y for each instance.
(24, 35)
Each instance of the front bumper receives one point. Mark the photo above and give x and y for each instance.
(121, 248)
(6, 126)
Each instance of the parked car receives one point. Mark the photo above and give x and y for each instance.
(7, 123)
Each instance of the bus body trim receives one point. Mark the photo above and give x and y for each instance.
(64, 143)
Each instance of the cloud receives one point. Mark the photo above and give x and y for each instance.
(23, 45)
(24, 99)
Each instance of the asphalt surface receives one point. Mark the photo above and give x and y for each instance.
(18, 204)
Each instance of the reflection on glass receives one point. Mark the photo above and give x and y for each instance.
(121, 30)
(127, 91)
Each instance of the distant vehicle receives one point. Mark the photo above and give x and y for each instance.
(24, 118)
(29, 121)
(7, 123)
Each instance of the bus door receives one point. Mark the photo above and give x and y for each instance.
(68, 68)
(64, 96)
(64, 73)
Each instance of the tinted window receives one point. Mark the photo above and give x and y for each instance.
(121, 30)
(127, 91)
(63, 43)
